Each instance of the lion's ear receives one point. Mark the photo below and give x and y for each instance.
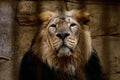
(82, 17)
(45, 16)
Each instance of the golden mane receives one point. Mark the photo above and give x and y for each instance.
(43, 48)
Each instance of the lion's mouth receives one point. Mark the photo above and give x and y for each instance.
(64, 50)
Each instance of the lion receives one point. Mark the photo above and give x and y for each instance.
(62, 49)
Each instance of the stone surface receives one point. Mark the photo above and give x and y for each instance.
(27, 7)
(26, 14)
(23, 38)
(108, 48)
(6, 70)
(6, 45)
(6, 29)
(50, 5)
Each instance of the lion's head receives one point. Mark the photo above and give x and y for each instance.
(63, 40)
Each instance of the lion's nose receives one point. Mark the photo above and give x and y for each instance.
(62, 35)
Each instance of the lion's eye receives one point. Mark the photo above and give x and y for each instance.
(53, 25)
(52, 28)
(72, 25)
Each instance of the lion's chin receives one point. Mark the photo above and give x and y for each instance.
(64, 51)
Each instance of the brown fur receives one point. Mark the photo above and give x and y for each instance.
(74, 63)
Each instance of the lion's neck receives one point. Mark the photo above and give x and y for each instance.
(65, 76)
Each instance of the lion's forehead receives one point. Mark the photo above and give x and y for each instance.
(65, 21)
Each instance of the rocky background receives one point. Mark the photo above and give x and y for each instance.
(18, 25)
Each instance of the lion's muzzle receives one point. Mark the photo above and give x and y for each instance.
(63, 49)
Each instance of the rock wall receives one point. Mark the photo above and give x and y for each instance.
(6, 43)
(18, 25)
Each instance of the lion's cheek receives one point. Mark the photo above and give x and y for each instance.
(56, 43)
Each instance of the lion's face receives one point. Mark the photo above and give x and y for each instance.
(63, 35)
(63, 41)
